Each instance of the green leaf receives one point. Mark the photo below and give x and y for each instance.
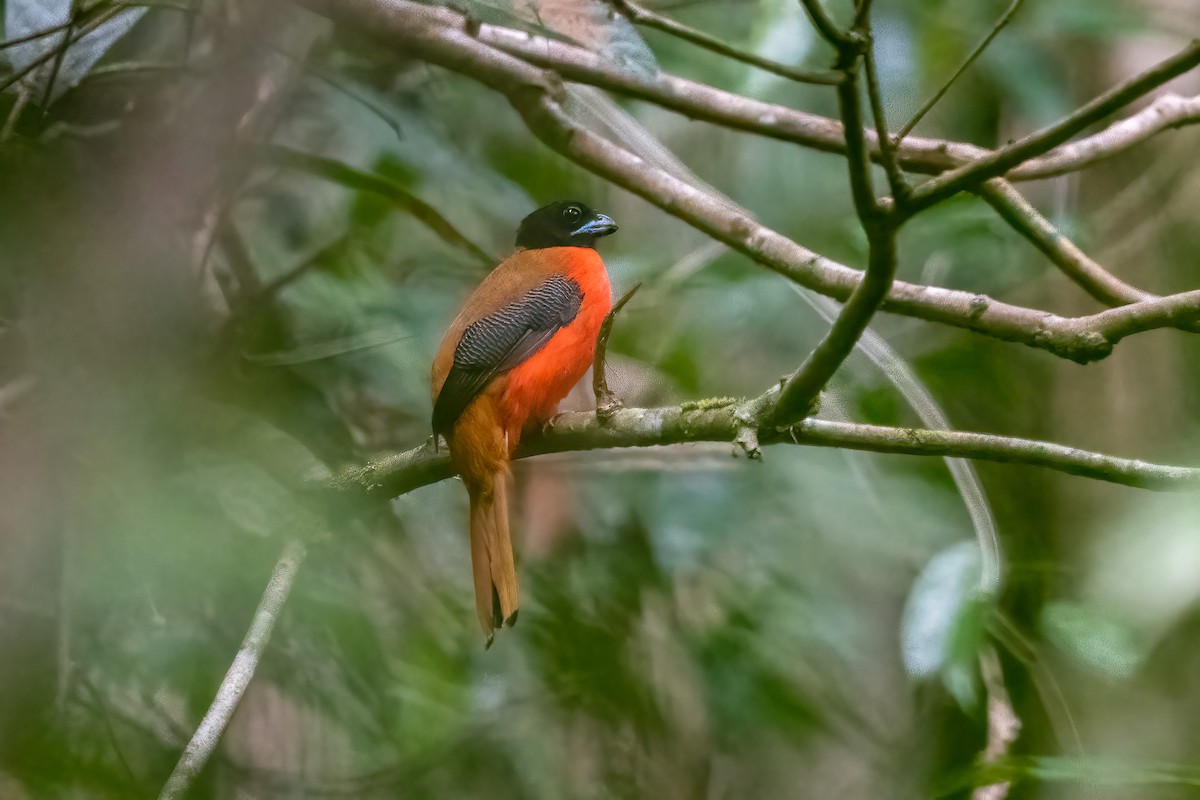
(1097, 640)
(944, 622)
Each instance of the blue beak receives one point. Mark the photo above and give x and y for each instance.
(599, 225)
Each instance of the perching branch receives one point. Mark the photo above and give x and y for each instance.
(442, 37)
(649, 19)
(719, 421)
(229, 694)
(1040, 142)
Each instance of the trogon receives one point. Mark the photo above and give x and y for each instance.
(523, 338)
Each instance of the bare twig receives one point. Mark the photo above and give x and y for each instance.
(229, 694)
(1165, 112)
(277, 284)
(800, 390)
(59, 54)
(719, 421)
(606, 401)
(33, 37)
(887, 151)
(916, 154)
(38, 62)
(14, 115)
(647, 18)
(1001, 23)
(850, 107)
(825, 26)
(1168, 311)
(79, 27)
(1040, 142)
(1075, 264)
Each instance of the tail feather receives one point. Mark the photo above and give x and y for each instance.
(496, 593)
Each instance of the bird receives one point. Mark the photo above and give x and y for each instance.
(521, 341)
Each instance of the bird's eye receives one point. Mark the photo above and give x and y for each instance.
(571, 213)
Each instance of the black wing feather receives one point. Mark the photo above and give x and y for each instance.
(493, 345)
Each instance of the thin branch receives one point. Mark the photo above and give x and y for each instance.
(59, 54)
(33, 37)
(606, 401)
(709, 104)
(1171, 310)
(122, 69)
(798, 393)
(859, 163)
(14, 115)
(649, 19)
(1164, 113)
(208, 735)
(1040, 142)
(718, 421)
(1074, 263)
(801, 389)
(34, 65)
(1000, 25)
(83, 25)
(887, 151)
(439, 36)
(825, 26)
(277, 284)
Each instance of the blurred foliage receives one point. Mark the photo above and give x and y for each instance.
(228, 247)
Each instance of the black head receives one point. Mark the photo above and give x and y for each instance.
(565, 223)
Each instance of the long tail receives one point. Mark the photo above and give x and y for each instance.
(496, 594)
(479, 448)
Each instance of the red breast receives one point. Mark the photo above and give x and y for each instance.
(531, 392)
